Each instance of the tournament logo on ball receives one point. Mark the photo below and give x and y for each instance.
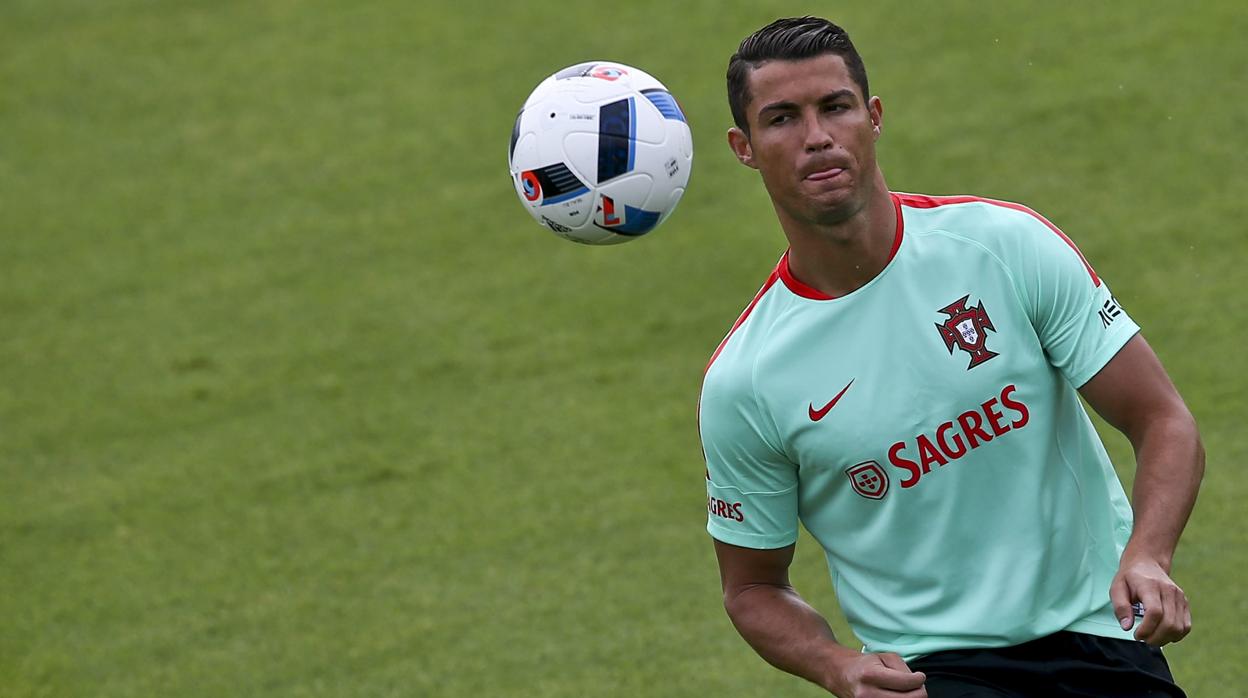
(532, 187)
(607, 72)
(965, 329)
(868, 479)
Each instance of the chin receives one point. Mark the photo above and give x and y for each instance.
(831, 211)
(834, 216)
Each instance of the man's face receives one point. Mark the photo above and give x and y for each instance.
(812, 137)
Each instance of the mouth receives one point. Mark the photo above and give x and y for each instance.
(825, 174)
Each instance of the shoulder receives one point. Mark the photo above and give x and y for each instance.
(1011, 230)
(737, 341)
(729, 372)
(975, 216)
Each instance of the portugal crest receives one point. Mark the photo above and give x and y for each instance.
(868, 479)
(965, 329)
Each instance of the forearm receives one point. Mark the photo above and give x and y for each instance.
(1170, 463)
(788, 633)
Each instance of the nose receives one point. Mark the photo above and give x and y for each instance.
(816, 137)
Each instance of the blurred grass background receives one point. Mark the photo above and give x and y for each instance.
(296, 400)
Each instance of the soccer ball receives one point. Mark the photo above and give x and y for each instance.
(600, 153)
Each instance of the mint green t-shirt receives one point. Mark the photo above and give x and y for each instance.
(926, 430)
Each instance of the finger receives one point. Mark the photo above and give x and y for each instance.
(1120, 596)
(1174, 615)
(1154, 611)
(1167, 624)
(892, 660)
(902, 678)
(1177, 615)
(1185, 614)
(893, 679)
(886, 693)
(869, 691)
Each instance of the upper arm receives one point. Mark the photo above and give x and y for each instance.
(751, 486)
(741, 568)
(1076, 318)
(1133, 389)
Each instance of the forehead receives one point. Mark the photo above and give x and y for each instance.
(798, 81)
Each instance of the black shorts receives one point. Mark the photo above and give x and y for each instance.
(1063, 664)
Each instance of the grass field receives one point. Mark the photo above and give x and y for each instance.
(296, 400)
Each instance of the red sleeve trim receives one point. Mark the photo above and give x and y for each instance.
(924, 201)
(771, 280)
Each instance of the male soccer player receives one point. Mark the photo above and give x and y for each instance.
(906, 384)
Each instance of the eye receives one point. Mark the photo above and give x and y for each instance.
(779, 119)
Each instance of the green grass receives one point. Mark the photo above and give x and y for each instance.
(296, 400)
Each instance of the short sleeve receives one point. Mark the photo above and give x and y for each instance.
(751, 487)
(1077, 319)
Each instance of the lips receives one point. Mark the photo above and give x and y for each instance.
(823, 169)
(828, 173)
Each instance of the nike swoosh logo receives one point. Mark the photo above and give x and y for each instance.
(817, 414)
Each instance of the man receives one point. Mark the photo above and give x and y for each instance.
(906, 385)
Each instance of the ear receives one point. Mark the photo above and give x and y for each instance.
(876, 108)
(740, 144)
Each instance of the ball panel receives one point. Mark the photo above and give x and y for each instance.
(600, 153)
(665, 103)
(617, 129)
(668, 169)
(669, 205)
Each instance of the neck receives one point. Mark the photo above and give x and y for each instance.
(839, 258)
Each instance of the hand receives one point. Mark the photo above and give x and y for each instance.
(879, 676)
(1167, 617)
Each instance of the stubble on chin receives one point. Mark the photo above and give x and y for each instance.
(832, 213)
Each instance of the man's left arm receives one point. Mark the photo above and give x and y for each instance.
(1135, 395)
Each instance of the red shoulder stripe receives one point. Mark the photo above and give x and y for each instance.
(775, 275)
(923, 201)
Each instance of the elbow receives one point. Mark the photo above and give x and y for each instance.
(735, 601)
(740, 600)
(732, 601)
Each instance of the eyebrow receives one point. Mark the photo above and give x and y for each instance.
(788, 106)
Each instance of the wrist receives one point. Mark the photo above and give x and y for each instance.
(1137, 552)
(837, 660)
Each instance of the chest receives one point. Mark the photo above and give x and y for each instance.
(944, 363)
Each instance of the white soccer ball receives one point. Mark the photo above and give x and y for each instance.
(600, 153)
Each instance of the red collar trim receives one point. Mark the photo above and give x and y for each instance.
(801, 289)
(798, 287)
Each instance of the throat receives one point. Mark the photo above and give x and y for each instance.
(838, 260)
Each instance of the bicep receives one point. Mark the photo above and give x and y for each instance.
(1133, 388)
(741, 568)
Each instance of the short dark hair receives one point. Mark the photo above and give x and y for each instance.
(789, 39)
